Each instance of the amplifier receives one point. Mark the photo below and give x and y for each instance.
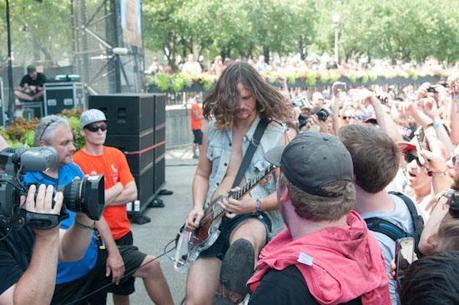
(63, 95)
(127, 114)
(139, 149)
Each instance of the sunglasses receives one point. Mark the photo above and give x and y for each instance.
(454, 159)
(45, 128)
(95, 128)
(409, 157)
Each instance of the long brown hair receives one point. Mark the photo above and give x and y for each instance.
(222, 100)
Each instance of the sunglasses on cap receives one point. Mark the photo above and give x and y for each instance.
(96, 127)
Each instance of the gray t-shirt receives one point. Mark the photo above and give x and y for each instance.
(400, 216)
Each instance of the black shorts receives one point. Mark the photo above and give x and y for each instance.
(96, 280)
(127, 287)
(197, 136)
(221, 245)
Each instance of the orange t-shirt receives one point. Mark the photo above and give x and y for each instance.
(113, 165)
(195, 123)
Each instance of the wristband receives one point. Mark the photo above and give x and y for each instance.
(258, 206)
(82, 225)
(431, 124)
(435, 174)
(436, 125)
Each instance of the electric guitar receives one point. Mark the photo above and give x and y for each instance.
(208, 231)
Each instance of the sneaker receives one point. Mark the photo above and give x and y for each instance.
(237, 267)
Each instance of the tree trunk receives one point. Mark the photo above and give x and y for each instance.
(266, 54)
(301, 47)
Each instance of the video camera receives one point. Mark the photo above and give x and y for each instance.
(453, 201)
(85, 195)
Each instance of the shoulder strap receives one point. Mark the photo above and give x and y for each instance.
(391, 230)
(385, 227)
(250, 151)
(418, 221)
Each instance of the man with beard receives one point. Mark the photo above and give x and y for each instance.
(239, 102)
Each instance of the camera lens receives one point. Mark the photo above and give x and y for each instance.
(87, 196)
(322, 114)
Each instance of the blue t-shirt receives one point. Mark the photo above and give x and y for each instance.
(67, 271)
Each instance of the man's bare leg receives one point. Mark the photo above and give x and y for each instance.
(238, 264)
(202, 281)
(254, 231)
(38, 95)
(155, 282)
(22, 96)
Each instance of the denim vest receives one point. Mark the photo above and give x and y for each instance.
(219, 154)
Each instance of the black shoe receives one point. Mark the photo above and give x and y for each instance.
(164, 192)
(156, 203)
(237, 267)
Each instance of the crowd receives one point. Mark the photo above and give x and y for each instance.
(401, 147)
(359, 175)
(291, 65)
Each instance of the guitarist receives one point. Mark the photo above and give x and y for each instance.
(237, 103)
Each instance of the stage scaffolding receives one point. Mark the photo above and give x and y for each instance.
(108, 45)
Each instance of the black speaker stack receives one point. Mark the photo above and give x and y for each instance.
(137, 127)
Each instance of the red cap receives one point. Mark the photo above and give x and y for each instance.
(405, 146)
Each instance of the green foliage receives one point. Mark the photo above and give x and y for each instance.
(400, 30)
(180, 81)
(161, 81)
(39, 30)
(207, 81)
(22, 132)
(311, 80)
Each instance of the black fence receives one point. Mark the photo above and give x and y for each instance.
(181, 97)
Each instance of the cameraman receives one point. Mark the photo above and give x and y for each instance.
(99, 267)
(28, 257)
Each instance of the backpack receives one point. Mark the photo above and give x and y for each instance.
(393, 231)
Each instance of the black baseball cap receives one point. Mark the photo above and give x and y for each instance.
(31, 68)
(313, 160)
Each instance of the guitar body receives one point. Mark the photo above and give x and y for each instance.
(208, 231)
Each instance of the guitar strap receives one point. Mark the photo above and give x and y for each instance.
(250, 151)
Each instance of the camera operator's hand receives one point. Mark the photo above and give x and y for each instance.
(43, 202)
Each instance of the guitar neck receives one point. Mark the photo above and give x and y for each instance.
(218, 211)
(251, 184)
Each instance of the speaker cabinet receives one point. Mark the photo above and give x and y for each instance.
(137, 126)
(144, 181)
(127, 114)
(137, 148)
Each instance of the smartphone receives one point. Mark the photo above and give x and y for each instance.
(420, 146)
(404, 252)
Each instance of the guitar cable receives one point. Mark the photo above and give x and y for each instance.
(165, 252)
